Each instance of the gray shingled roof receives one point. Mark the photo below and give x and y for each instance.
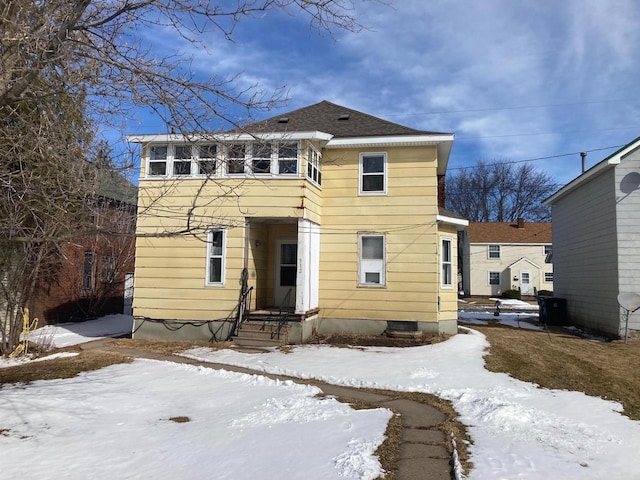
(334, 119)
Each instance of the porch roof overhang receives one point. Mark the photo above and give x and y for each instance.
(523, 260)
(459, 223)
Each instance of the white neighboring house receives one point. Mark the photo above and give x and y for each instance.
(596, 241)
(499, 256)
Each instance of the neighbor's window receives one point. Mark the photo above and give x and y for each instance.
(236, 158)
(158, 160)
(494, 251)
(215, 256)
(372, 259)
(108, 271)
(548, 276)
(548, 254)
(261, 158)
(288, 158)
(373, 172)
(494, 278)
(446, 279)
(207, 155)
(182, 160)
(87, 273)
(314, 162)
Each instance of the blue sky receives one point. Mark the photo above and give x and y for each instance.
(513, 80)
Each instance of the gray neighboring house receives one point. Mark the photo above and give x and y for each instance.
(596, 242)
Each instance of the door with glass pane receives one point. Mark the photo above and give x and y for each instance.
(286, 273)
(525, 283)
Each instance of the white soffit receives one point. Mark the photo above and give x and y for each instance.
(229, 137)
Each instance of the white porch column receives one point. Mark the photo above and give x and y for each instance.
(307, 279)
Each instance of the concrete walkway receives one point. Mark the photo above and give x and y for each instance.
(423, 452)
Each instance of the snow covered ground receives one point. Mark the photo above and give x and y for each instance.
(115, 422)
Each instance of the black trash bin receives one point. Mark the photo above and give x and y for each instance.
(552, 310)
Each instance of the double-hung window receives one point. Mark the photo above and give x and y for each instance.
(372, 259)
(494, 251)
(548, 276)
(373, 173)
(215, 256)
(261, 157)
(548, 254)
(88, 269)
(314, 162)
(207, 156)
(158, 160)
(236, 158)
(288, 158)
(446, 263)
(182, 160)
(494, 278)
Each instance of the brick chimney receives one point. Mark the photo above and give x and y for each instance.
(441, 192)
(520, 222)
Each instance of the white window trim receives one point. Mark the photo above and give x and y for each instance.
(223, 258)
(489, 279)
(383, 270)
(314, 166)
(195, 169)
(361, 174)
(544, 277)
(443, 263)
(489, 257)
(221, 161)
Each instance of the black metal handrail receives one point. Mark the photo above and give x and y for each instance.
(243, 308)
(283, 315)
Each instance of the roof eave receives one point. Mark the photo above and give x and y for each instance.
(460, 223)
(610, 162)
(229, 137)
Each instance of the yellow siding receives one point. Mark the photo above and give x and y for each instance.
(406, 215)
(171, 271)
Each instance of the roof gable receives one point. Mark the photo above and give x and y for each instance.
(339, 121)
(524, 260)
(505, 232)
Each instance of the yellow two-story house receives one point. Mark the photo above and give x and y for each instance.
(327, 214)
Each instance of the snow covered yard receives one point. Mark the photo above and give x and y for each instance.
(519, 430)
(165, 420)
(117, 422)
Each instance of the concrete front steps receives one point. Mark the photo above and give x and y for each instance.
(261, 333)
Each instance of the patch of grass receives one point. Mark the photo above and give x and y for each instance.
(346, 340)
(559, 360)
(180, 419)
(164, 347)
(66, 367)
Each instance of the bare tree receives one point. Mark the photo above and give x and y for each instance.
(67, 65)
(499, 192)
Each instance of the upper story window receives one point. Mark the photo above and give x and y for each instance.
(182, 160)
(236, 158)
(548, 254)
(207, 159)
(261, 157)
(189, 160)
(373, 173)
(158, 159)
(314, 164)
(494, 251)
(288, 158)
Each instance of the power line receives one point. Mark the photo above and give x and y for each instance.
(541, 158)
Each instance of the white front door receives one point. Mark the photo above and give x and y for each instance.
(525, 283)
(286, 273)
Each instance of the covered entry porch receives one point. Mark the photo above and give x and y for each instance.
(282, 259)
